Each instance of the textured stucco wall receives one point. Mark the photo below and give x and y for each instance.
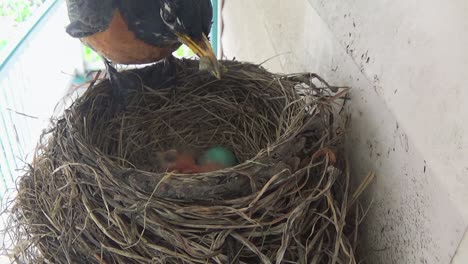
(407, 62)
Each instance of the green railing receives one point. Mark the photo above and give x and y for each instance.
(215, 29)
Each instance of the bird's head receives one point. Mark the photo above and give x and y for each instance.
(190, 21)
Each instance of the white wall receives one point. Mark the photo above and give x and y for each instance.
(407, 62)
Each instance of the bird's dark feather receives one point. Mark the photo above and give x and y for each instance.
(144, 20)
(196, 16)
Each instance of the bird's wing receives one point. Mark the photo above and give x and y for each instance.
(88, 17)
(143, 18)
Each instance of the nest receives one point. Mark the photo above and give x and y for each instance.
(95, 193)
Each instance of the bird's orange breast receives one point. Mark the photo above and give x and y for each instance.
(118, 44)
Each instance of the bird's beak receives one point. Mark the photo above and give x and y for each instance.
(203, 50)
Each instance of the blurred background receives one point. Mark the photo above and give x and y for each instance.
(41, 69)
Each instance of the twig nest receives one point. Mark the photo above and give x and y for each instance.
(96, 192)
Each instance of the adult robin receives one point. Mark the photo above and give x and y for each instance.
(143, 31)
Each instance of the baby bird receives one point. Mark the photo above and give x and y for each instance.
(183, 163)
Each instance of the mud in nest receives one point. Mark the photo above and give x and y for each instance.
(95, 192)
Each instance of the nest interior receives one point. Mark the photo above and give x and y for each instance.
(95, 192)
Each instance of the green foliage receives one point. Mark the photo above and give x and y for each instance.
(3, 43)
(90, 55)
(184, 52)
(19, 10)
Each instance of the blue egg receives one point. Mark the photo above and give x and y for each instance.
(219, 155)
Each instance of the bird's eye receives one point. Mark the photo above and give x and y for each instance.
(168, 17)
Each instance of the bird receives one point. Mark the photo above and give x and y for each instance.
(183, 163)
(143, 31)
